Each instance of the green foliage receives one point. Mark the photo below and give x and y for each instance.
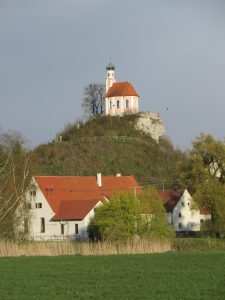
(206, 160)
(83, 151)
(198, 244)
(127, 215)
(118, 219)
(211, 195)
(152, 205)
(203, 172)
(170, 276)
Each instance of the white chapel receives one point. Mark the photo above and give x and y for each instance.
(121, 97)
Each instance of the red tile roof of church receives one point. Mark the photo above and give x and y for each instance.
(121, 89)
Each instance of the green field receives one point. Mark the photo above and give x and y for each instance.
(150, 276)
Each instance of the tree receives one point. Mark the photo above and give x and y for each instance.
(205, 160)
(14, 179)
(152, 205)
(203, 173)
(117, 219)
(93, 99)
(126, 216)
(211, 196)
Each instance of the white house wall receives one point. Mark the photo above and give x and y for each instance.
(53, 228)
(185, 218)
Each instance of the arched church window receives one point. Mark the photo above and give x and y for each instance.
(118, 104)
(110, 104)
(127, 103)
(108, 74)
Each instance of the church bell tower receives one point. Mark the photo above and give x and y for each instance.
(110, 76)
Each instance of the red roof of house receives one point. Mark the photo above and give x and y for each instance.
(74, 210)
(170, 198)
(59, 189)
(121, 89)
(205, 211)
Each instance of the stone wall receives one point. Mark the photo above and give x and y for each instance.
(151, 123)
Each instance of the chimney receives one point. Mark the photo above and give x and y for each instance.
(99, 179)
(118, 175)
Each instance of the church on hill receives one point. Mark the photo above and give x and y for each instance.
(121, 97)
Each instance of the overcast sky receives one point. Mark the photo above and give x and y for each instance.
(172, 51)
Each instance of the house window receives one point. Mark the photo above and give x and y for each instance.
(201, 221)
(179, 215)
(182, 203)
(76, 229)
(110, 104)
(118, 104)
(127, 103)
(38, 205)
(33, 193)
(62, 228)
(180, 225)
(42, 225)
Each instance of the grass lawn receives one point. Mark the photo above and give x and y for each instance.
(151, 276)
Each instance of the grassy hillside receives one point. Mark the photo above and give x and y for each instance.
(97, 146)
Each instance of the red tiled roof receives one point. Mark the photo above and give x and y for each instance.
(205, 211)
(74, 210)
(170, 198)
(121, 89)
(58, 189)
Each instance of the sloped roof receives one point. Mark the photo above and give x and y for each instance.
(60, 189)
(74, 210)
(121, 89)
(170, 198)
(205, 211)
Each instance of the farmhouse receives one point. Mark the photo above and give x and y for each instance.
(62, 206)
(182, 216)
(121, 97)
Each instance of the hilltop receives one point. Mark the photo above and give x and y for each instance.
(109, 145)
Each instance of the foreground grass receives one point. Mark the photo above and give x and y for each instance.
(149, 276)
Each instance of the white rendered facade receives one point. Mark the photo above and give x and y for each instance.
(184, 217)
(41, 225)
